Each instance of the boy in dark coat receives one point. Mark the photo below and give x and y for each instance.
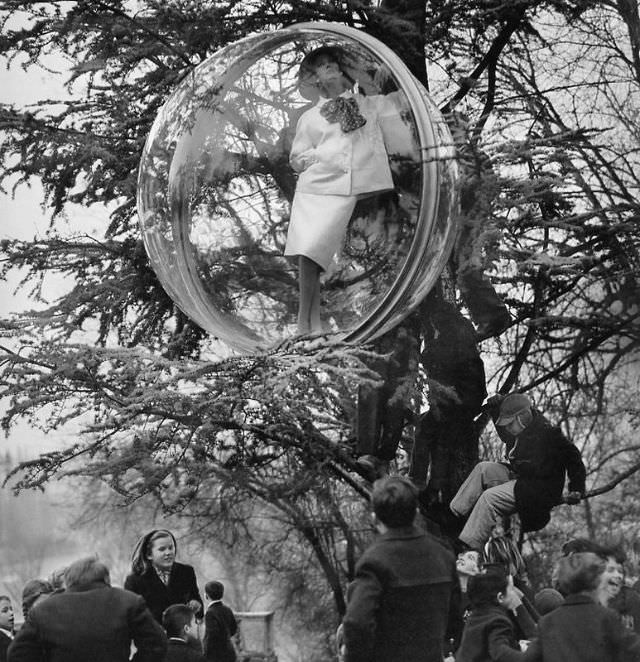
(398, 603)
(220, 625)
(179, 622)
(489, 634)
(580, 629)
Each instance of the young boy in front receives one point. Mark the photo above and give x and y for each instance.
(179, 622)
(489, 633)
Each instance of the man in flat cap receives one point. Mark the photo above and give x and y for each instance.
(529, 481)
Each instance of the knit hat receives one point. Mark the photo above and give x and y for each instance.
(511, 406)
(547, 600)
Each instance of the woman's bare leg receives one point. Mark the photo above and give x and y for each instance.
(309, 303)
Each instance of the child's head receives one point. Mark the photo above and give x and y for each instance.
(494, 587)
(579, 573)
(483, 589)
(179, 621)
(214, 590)
(468, 563)
(395, 501)
(6, 613)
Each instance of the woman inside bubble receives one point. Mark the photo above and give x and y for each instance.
(340, 156)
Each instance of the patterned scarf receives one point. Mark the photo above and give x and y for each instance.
(345, 111)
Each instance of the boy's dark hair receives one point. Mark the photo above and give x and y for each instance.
(394, 500)
(483, 589)
(579, 572)
(174, 618)
(214, 590)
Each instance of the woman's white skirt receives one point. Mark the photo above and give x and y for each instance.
(318, 226)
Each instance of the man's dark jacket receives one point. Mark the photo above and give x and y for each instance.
(220, 625)
(182, 588)
(580, 630)
(540, 456)
(398, 603)
(96, 623)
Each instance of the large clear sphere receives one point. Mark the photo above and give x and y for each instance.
(215, 190)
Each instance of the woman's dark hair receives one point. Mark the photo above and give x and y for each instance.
(139, 561)
(579, 572)
(483, 589)
(308, 64)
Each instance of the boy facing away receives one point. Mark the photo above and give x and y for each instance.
(220, 626)
(179, 622)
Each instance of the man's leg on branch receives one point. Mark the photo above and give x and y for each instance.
(493, 504)
(482, 477)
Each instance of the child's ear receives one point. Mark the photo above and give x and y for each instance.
(500, 596)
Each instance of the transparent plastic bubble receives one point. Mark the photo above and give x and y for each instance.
(216, 185)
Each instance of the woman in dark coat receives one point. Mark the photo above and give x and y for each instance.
(159, 578)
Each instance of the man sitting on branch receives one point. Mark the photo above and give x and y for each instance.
(529, 481)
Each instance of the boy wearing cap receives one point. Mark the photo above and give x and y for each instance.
(529, 481)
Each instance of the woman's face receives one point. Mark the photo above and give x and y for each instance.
(163, 553)
(610, 582)
(327, 70)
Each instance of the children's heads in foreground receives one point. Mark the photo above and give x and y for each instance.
(214, 590)
(395, 501)
(179, 622)
(6, 613)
